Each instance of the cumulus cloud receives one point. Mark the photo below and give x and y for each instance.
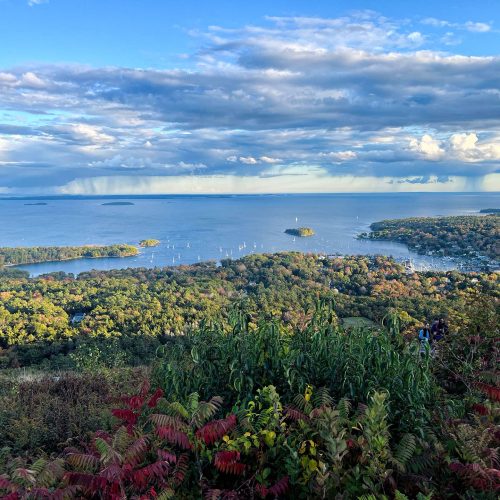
(248, 160)
(428, 147)
(362, 96)
(468, 148)
(463, 147)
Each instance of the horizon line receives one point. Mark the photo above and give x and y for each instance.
(227, 195)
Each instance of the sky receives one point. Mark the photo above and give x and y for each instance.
(108, 97)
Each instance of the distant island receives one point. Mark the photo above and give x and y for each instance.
(34, 255)
(469, 236)
(149, 243)
(117, 203)
(490, 211)
(302, 232)
(39, 203)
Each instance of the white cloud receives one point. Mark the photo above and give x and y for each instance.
(269, 160)
(467, 148)
(477, 27)
(31, 3)
(248, 160)
(191, 166)
(30, 79)
(340, 155)
(427, 146)
(122, 162)
(432, 21)
(463, 142)
(89, 133)
(416, 37)
(462, 147)
(7, 78)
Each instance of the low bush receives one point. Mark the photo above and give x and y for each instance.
(49, 411)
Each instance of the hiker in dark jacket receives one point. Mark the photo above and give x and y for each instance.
(434, 328)
(441, 329)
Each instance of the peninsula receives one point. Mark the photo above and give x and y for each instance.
(469, 236)
(33, 255)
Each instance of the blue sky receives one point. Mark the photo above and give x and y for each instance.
(140, 97)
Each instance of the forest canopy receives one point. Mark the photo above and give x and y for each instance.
(139, 306)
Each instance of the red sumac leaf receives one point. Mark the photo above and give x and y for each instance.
(280, 487)
(227, 462)
(174, 436)
(155, 397)
(214, 430)
(128, 416)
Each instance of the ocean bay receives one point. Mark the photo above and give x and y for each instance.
(202, 228)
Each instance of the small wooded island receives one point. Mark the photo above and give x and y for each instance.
(149, 243)
(490, 211)
(34, 255)
(302, 232)
(117, 203)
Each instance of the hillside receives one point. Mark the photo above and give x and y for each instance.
(241, 381)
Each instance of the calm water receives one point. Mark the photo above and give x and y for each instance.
(204, 228)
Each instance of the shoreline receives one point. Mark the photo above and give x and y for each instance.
(75, 258)
(460, 265)
(464, 263)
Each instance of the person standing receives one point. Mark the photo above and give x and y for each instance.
(425, 337)
(441, 329)
(434, 328)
